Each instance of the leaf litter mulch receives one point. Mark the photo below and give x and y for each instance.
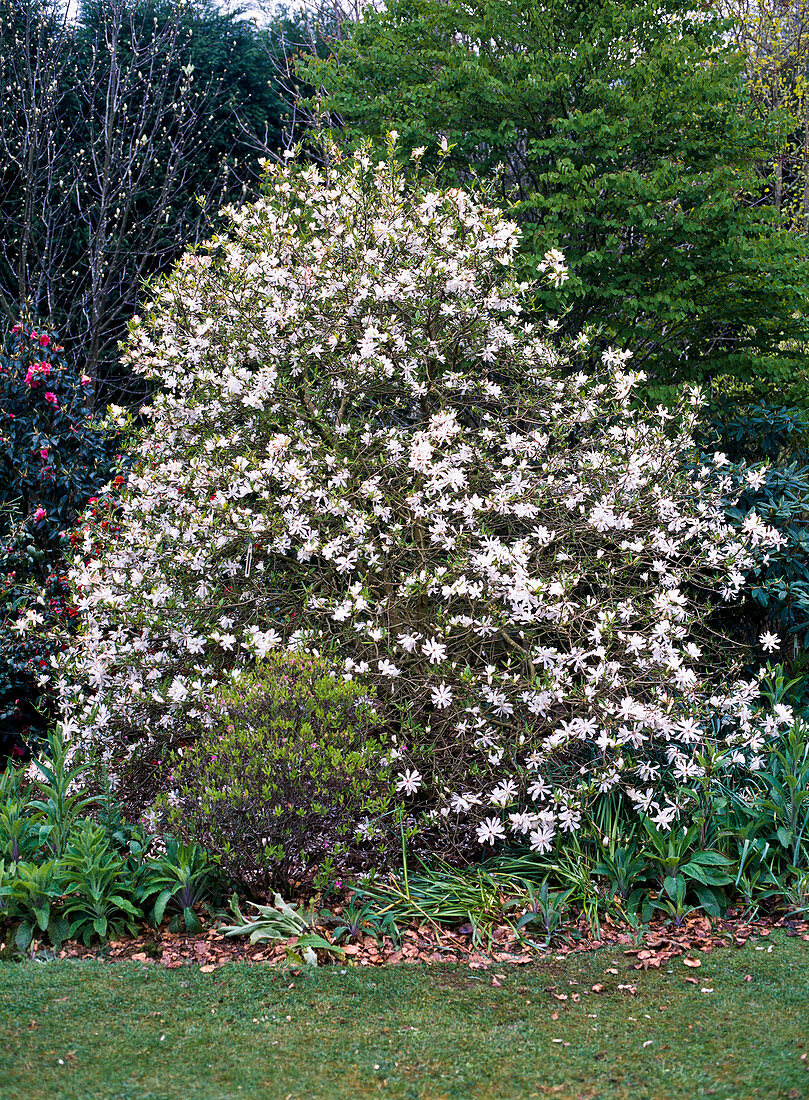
(426, 943)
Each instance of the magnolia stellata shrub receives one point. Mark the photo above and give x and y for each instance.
(364, 450)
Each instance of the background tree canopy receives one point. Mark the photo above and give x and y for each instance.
(626, 140)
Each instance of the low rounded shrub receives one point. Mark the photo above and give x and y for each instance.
(291, 774)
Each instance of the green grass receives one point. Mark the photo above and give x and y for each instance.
(82, 1030)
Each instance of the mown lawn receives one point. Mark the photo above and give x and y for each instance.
(131, 1031)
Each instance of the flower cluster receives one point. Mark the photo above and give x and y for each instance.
(366, 450)
(37, 373)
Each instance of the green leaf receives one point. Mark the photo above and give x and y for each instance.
(712, 901)
(58, 931)
(126, 905)
(192, 921)
(24, 935)
(710, 859)
(294, 959)
(160, 906)
(672, 884)
(708, 876)
(313, 940)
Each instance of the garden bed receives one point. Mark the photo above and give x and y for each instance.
(430, 944)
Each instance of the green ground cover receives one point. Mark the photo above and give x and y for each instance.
(81, 1030)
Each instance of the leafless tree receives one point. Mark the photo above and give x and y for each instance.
(102, 139)
(37, 75)
(309, 31)
(773, 36)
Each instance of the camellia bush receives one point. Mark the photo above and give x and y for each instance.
(54, 457)
(363, 452)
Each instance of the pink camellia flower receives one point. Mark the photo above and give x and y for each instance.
(39, 514)
(16, 328)
(43, 452)
(85, 380)
(52, 399)
(44, 340)
(36, 373)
